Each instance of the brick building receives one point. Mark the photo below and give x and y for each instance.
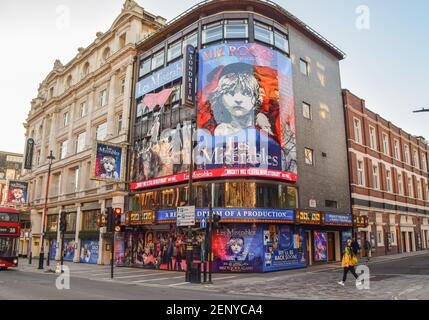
(389, 181)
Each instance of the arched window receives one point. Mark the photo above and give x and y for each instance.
(85, 69)
(69, 81)
(106, 54)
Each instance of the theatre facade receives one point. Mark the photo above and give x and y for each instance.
(264, 111)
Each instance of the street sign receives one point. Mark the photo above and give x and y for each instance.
(203, 223)
(186, 216)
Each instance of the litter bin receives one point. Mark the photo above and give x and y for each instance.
(195, 273)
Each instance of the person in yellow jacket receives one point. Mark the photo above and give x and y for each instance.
(349, 262)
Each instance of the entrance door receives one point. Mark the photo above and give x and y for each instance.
(308, 247)
(331, 246)
(410, 237)
(404, 243)
(362, 244)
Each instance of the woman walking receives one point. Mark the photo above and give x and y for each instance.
(349, 262)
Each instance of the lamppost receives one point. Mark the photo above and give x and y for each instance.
(42, 250)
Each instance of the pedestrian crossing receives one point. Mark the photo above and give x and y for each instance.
(131, 276)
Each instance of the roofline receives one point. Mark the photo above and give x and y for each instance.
(299, 23)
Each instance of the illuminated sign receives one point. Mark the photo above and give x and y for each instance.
(139, 218)
(159, 78)
(8, 230)
(338, 219)
(306, 217)
(188, 97)
(361, 221)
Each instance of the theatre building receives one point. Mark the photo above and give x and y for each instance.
(389, 181)
(269, 151)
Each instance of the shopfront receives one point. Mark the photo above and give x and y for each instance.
(89, 235)
(325, 234)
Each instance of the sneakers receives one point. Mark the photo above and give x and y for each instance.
(341, 283)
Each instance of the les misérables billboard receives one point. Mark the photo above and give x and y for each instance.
(245, 122)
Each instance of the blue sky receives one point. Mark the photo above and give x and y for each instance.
(386, 65)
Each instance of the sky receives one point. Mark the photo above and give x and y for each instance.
(386, 42)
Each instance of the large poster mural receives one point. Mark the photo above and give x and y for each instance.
(17, 193)
(89, 251)
(284, 248)
(68, 249)
(237, 249)
(246, 109)
(320, 246)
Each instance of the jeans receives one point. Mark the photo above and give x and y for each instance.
(346, 270)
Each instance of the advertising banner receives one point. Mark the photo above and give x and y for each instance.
(338, 219)
(159, 78)
(17, 193)
(53, 251)
(119, 248)
(345, 235)
(68, 248)
(236, 214)
(237, 249)
(320, 246)
(29, 150)
(107, 162)
(89, 251)
(245, 109)
(284, 248)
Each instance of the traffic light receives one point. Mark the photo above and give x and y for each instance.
(216, 220)
(118, 212)
(63, 221)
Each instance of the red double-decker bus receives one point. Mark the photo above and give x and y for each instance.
(9, 237)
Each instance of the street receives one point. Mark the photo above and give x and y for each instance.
(391, 278)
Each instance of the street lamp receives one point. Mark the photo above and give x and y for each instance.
(42, 250)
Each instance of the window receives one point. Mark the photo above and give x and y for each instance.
(410, 188)
(375, 177)
(236, 29)
(419, 190)
(85, 69)
(281, 41)
(74, 179)
(106, 54)
(388, 180)
(427, 191)
(406, 154)
(122, 86)
(175, 96)
(385, 144)
(191, 39)
(263, 33)
(174, 51)
(101, 132)
(308, 154)
(415, 159)
(331, 204)
(51, 92)
(360, 172)
(63, 149)
(158, 60)
(103, 98)
(119, 123)
(71, 221)
(89, 220)
(396, 149)
(69, 82)
(380, 239)
(122, 40)
(83, 109)
(145, 67)
(38, 157)
(65, 119)
(56, 184)
(306, 111)
(303, 67)
(52, 223)
(358, 131)
(424, 162)
(212, 32)
(80, 142)
(372, 138)
(400, 185)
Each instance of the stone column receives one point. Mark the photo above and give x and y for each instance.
(111, 107)
(90, 105)
(78, 227)
(58, 253)
(43, 154)
(71, 145)
(52, 133)
(126, 104)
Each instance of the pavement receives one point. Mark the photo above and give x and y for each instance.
(395, 277)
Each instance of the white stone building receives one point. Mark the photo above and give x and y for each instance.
(85, 100)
